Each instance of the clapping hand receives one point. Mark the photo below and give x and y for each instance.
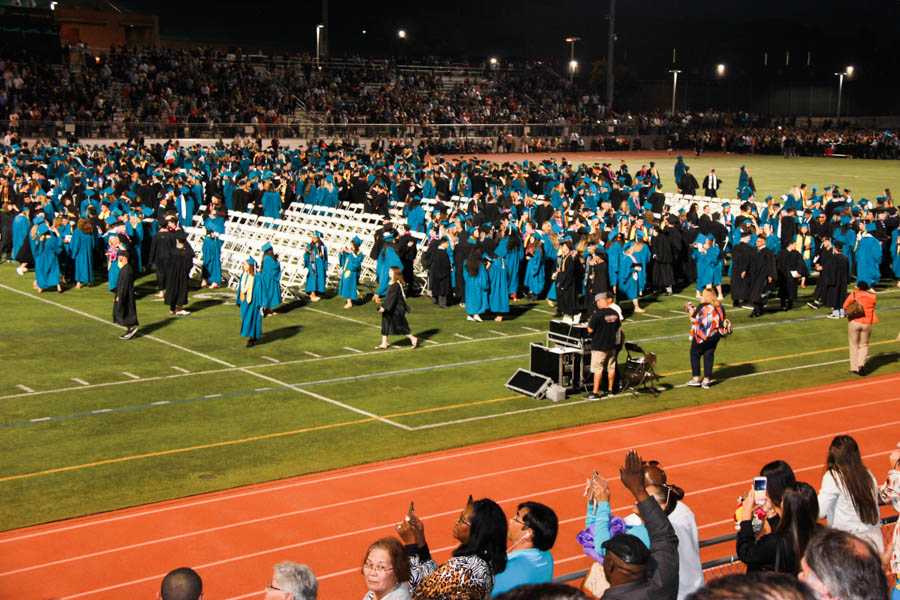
(632, 475)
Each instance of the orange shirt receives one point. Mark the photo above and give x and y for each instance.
(867, 299)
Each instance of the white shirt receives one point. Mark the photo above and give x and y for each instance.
(836, 505)
(690, 569)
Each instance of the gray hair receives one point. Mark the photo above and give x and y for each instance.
(296, 579)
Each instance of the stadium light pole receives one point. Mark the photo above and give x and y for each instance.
(674, 73)
(571, 41)
(848, 72)
(318, 32)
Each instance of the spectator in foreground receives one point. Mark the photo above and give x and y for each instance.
(849, 492)
(292, 581)
(889, 493)
(633, 571)
(386, 570)
(779, 550)
(690, 569)
(181, 584)
(532, 531)
(469, 574)
(756, 585)
(840, 566)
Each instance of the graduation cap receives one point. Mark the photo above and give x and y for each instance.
(487, 257)
(39, 218)
(357, 239)
(266, 247)
(250, 261)
(870, 227)
(388, 237)
(318, 234)
(43, 229)
(111, 220)
(838, 245)
(701, 239)
(845, 220)
(725, 204)
(770, 197)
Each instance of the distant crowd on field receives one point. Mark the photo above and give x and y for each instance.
(652, 553)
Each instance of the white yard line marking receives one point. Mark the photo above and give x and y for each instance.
(132, 375)
(546, 312)
(465, 337)
(183, 370)
(160, 402)
(313, 354)
(222, 362)
(646, 314)
(432, 342)
(353, 349)
(330, 314)
(498, 332)
(270, 359)
(79, 381)
(25, 388)
(39, 420)
(532, 329)
(679, 312)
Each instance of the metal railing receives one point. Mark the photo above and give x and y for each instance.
(714, 568)
(150, 129)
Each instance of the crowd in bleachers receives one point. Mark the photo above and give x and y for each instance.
(204, 87)
(651, 554)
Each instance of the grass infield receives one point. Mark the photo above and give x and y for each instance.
(111, 424)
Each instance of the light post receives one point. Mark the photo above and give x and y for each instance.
(674, 73)
(848, 72)
(573, 64)
(318, 32)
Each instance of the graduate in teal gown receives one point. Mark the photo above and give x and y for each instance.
(629, 274)
(271, 202)
(387, 258)
(868, 257)
(315, 259)
(270, 284)
(351, 260)
(250, 299)
(82, 248)
(498, 296)
(46, 248)
(534, 268)
(477, 286)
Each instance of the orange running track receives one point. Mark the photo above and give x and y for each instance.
(327, 520)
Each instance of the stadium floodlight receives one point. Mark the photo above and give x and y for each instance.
(573, 64)
(720, 70)
(674, 73)
(318, 31)
(849, 73)
(401, 34)
(493, 60)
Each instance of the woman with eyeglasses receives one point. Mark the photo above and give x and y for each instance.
(469, 574)
(386, 571)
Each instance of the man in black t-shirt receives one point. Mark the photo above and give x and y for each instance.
(604, 328)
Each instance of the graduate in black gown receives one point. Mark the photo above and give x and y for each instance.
(791, 273)
(460, 253)
(741, 255)
(161, 251)
(836, 276)
(820, 260)
(762, 276)
(124, 306)
(596, 279)
(439, 273)
(663, 273)
(178, 268)
(393, 311)
(567, 281)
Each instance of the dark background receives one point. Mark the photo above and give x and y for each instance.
(739, 34)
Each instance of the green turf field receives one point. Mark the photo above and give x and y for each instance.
(314, 395)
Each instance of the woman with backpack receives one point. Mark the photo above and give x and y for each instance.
(708, 326)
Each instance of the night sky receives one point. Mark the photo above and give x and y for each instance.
(702, 31)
